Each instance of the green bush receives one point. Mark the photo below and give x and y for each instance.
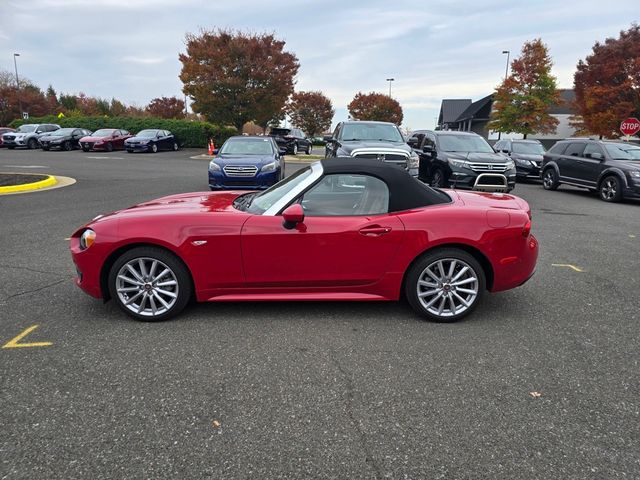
(189, 134)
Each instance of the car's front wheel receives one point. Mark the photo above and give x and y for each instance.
(154, 148)
(32, 144)
(175, 146)
(67, 147)
(611, 189)
(150, 284)
(445, 285)
(437, 178)
(309, 149)
(550, 179)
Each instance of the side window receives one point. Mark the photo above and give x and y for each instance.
(593, 151)
(51, 128)
(346, 195)
(167, 133)
(117, 133)
(336, 132)
(574, 149)
(430, 139)
(558, 148)
(419, 139)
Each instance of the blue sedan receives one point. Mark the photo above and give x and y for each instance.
(245, 163)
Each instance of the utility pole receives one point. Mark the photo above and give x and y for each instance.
(15, 64)
(390, 80)
(506, 74)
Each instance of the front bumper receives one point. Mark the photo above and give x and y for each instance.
(632, 190)
(138, 147)
(14, 143)
(469, 180)
(219, 181)
(527, 172)
(89, 146)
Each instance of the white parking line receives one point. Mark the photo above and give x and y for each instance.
(27, 166)
(110, 158)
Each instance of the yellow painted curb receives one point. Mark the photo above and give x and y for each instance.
(47, 182)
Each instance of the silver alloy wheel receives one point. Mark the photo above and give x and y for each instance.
(447, 287)
(175, 147)
(548, 179)
(295, 148)
(437, 179)
(609, 189)
(154, 148)
(147, 286)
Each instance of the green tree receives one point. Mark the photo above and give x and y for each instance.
(375, 106)
(521, 103)
(311, 111)
(234, 77)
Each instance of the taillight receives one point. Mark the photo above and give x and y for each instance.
(527, 229)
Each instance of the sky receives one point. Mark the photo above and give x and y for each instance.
(129, 49)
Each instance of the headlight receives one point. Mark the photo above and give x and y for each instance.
(213, 166)
(459, 163)
(87, 238)
(144, 142)
(634, 173)
(269, 167)
(509, 165)
(414, 160)
(98, 142)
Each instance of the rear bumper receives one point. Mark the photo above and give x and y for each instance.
(514, 270)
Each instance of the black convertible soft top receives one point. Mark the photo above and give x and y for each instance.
(405, 191)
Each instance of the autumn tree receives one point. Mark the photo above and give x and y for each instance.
(235, 77)
(522, 101)
(311, 111)
(117, 108)
(32, 99)
(375, 106)
(607, 84)
(166, 107)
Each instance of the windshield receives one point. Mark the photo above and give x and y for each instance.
(104, 132)
(464, 143)
(528, 148)
(61, 132)
(26, 128)
(622, 152)
(246, 146)
(147, 133)
(371, 131)
(261, 202)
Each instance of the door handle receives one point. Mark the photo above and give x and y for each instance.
(374, 231)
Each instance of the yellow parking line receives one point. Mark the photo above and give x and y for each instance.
(567, 265)
(13, 343)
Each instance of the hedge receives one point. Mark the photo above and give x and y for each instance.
(189, 133)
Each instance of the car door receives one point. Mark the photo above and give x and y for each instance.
(590, 165)
(347, 238)
(75, 137)
(568, 162)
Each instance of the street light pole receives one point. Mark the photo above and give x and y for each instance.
(390, 80)
(15, 64)
(506, 74)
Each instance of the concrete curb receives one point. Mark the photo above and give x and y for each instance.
(25, 187)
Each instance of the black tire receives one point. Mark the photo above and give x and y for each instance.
(294, 150)
(550, 179)
(109, 147)
(32, 144)
(437, 178)
(178, 269)
(11, 148)
(309, 149)
(153, 148)
(610, 189)
(462, 259)
(67, 147)
(129, 151)
(85, 149)
(46, 149)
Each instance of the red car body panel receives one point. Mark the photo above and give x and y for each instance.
(100, 143)
(253, 257)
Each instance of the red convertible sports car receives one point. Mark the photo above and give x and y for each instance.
(340, 229)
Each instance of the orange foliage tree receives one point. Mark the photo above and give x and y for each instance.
(311, 111)
(375, 106)
(166, 107)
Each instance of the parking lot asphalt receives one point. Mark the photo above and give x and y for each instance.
(540, 382)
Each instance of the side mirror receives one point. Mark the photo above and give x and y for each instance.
(597, 156)
(292, 216)
(328, 138)
(428, 149)
(412, 143)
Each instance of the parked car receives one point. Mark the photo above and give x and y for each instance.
(381, 141)
(107, 139)
(27, 135)
(461, 160)
(63, 138)
(610, 168)
(293, 140)
(246, 163)
(151, 140)
(526, 154)
(4, 130)
(339, 229)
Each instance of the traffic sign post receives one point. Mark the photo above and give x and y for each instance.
(630, 126)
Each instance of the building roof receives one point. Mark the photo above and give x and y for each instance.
(472, 110)
(451, 108)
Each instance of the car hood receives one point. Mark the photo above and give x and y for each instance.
(478, 157)
(52, 138)
(258, 160)
(138, 139)
(527, 156)
(91, 138)
(349, 147)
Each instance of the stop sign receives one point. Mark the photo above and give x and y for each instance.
(630, 126)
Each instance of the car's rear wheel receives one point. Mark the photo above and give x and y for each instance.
(550, 179)
(150, 284)
(32, 143)
(445, 285)
(437, 178)
(611, 189)
(154, 148)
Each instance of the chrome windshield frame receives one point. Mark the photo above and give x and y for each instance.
(316, 173)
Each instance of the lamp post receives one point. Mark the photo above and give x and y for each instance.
(506, 74)
(15, 64)
(390, 80)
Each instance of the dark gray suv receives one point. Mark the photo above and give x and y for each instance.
(610, 168)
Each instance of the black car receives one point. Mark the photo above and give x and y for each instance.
(526, 154)
(151, 140)
(610, 168)
(462, 160)
(63, 138)
(293, 140)
(381, 141)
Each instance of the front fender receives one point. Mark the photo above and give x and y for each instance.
(613, 171)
